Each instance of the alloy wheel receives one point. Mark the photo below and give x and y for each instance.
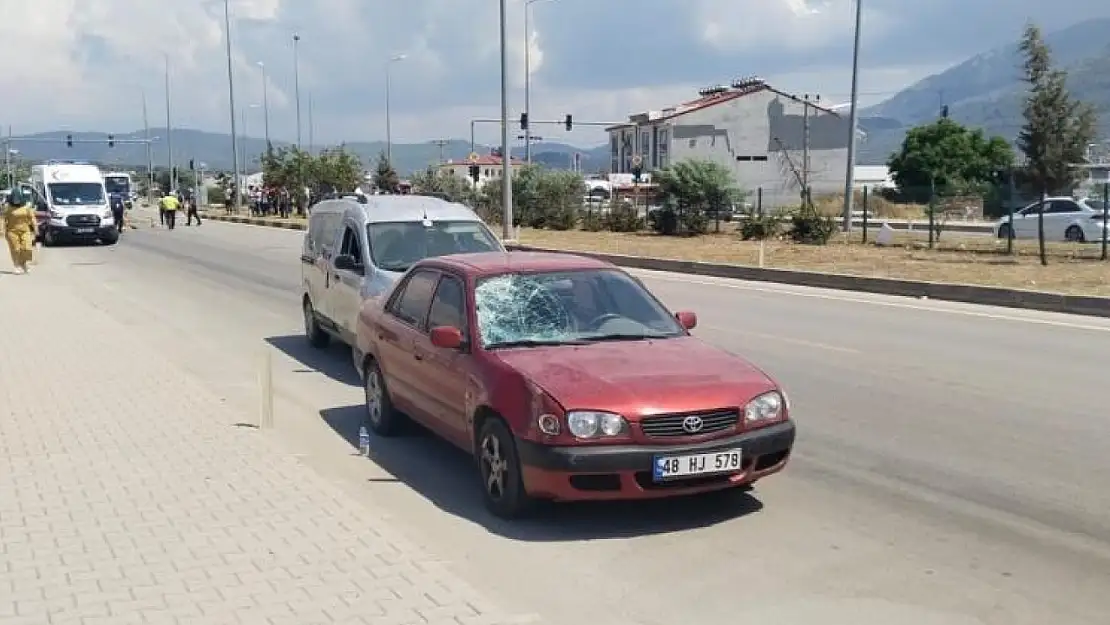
(374, 396)
(494, 467)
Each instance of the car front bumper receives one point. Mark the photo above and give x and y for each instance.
(606, 472)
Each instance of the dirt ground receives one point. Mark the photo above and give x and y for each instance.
(962, 259)
(1072, 268)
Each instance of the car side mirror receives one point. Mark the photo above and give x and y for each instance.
(347, 262)
(446, 337)
(687, 319)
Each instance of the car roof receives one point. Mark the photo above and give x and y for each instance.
(403, 208)
(493, 263)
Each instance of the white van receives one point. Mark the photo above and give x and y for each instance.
(73, 197)
(357, 247)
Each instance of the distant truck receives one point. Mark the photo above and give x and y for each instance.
(71, 197)
(119, 183)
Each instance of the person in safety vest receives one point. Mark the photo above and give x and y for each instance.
(19, 224)
(170, 204)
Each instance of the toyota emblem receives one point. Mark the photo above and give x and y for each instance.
(692, 424)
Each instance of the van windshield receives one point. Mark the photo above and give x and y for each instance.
(395, 246)
(76, 193)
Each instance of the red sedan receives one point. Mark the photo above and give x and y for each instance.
(567, 380)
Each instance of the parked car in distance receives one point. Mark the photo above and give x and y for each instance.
(1065, 219)
(568, 380)
(356, 248)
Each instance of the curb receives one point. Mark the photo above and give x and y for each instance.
(1091, 306)
(255, 221)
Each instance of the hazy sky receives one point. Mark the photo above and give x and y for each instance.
(83, 64)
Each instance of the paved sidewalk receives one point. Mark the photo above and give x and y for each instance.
(128, 495)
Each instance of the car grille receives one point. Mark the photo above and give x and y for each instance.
(82, 221)
(671, 425)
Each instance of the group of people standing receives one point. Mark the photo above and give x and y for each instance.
(173, 202)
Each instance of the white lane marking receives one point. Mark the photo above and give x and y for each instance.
(782, 339)
(859, 300)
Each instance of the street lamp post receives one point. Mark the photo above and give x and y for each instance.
(169, 132)
(853, 123)
(506, 155)
(297, 84)
(388, 121)
(265, 103)
(231, 104)
(528, 78)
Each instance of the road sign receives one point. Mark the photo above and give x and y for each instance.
(637, 160)
(473, 158)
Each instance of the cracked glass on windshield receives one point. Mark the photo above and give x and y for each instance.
(568, 307)
(395, 246)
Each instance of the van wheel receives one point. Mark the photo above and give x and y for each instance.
(316, 335)
(1005, 232)
(49, 239)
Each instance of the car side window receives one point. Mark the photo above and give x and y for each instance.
(1063, 206)
(449, 305)
(412, 303)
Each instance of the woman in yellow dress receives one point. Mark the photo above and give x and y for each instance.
(19, 229)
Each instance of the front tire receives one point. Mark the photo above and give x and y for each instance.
(1074, 234)
(381, 417)
(1005, 232)
(316, 335)
(499, 468)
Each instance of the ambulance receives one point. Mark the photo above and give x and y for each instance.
(75, 202)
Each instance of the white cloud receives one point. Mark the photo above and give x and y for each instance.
(82, 64)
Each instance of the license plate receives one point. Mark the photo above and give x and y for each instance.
(671, 467)
(85, 230)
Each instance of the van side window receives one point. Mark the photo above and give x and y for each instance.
(413, 300)
(312, 243)
(350, 244)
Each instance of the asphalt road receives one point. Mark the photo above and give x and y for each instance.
(951, 466)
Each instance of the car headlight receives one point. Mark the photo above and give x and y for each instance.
(56, 215)
(107, 214)
(765, 408)
(592, 424)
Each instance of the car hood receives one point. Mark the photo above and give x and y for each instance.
(636, 378)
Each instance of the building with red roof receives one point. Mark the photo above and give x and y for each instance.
(489, 167)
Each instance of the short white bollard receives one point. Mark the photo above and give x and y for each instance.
(266, 391)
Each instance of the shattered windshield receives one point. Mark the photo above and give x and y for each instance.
(395, 246)
(568, 307)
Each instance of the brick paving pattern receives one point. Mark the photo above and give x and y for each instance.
(128, 496)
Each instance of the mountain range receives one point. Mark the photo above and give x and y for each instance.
(985, 91)
(213, 150)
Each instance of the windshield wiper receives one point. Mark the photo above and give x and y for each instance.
(535, 343)
(626, 336)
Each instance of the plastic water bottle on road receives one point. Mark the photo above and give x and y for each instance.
(363, 441)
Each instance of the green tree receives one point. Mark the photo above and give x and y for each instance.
(947, 155)
(443, 183)
(560, 196)
(690, 189)
(385, 176)
(1057, 127)
(336, 170)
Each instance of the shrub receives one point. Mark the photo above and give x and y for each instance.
(810, 228)
(592, 221)
(623, 218)
(664, 220)
(561, 218)
(759, 227)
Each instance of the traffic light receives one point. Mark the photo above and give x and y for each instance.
(69, 141)
(570, 122)
(524, 121)
(192, 165)
(111, 141)
(475, 173)
(944, 111)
